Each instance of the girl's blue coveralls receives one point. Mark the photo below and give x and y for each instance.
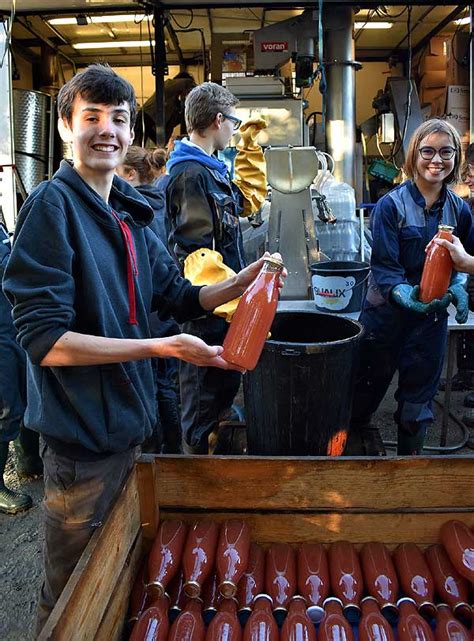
(397, 338)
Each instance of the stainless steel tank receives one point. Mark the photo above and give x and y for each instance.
(31, 118)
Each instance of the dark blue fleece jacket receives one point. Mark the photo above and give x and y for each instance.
(80, 264)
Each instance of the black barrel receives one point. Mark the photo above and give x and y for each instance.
(298, 399)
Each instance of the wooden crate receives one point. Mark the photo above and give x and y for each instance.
(283, 499)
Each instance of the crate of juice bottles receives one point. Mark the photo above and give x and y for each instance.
(230, 548)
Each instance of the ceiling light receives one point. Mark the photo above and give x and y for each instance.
(373, 25)
(462, 21)
(126, 44)
(125, 17)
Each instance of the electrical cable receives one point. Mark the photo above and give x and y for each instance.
(410, 81)
(321, 71)
(180, 26)
(384, 13)
(456, 32)
(377, 142)
(369, 15)
(142, 111)
(152, 49)
(410, 90)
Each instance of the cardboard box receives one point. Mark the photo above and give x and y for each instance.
(437, 106)
(430, 95)
(437, 46)
(426, 112)
(459, 118)
(433, 79)
(457, 97)
(431, 63)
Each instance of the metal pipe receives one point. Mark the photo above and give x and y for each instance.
(471, 73)
(340, 97)
(160, 69)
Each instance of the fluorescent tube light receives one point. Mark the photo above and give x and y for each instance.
(373, 25)
(462, 21)
(113, 44)
(125, 17)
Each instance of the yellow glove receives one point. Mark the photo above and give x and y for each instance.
(250, 168)
(206, 267)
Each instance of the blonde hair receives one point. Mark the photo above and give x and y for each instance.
(146, 162)
(433, 126)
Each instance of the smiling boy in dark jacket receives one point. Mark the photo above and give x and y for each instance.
(84, 275)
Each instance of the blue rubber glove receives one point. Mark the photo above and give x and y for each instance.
(460, 297)
(406, 296)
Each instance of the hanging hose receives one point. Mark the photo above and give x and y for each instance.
(443, 448)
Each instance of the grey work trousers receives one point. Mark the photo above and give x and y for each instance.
(77, 498)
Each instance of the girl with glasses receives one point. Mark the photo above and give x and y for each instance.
(403, 333)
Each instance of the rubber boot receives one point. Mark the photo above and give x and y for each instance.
(169, 413)
(28, 463)
(411, 437)
(10, 502)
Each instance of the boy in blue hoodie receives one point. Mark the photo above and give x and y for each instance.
(203, 211)
(84, 274)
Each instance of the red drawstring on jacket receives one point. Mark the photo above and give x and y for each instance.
(132, 269)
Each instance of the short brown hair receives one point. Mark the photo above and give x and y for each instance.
(204, 102)
(146, 162)
(433, 126)
(100, 84)
(469, 155)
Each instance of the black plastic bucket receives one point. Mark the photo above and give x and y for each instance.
(298, 399)
(339, 285)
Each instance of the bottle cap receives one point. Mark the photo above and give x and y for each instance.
(390, 612)
(427, 609)
(192, 589)
(369, 598)
(155, 589)
(315, 613)
(227, 589)
(262, 595)
(274, 261)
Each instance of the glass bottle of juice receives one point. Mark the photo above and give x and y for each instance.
(253, 317)
(437, 269)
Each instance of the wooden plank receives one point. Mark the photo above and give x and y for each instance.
(147, 485)
(392, 528)
(249, 483)
(82, 604)
(112, 625)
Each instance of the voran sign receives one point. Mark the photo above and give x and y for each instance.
(273, 46)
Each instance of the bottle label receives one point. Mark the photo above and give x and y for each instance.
(333, 292)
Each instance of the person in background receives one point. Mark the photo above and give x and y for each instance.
(84, 275)
(402, 333)
(13, 402)
(203, 208)
(176, 90)
(462, 261)
(140, 168)
(465, 342)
